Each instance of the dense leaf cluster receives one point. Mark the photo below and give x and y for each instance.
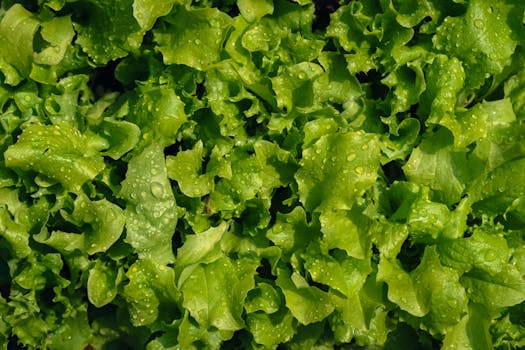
(256, 174)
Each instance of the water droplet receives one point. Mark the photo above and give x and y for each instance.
(478, 23)
(359, 170)
(490, 255)
(157, 190)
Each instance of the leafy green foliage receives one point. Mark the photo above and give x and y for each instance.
(262, 174)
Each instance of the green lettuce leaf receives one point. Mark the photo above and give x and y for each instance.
(307, 304)
(471, 332)
(58, 152)
(192, 37)
(151, 292)
(480, 39)
(147, 12)
(97, 25)
(103, 224)
(186, 168)
(17, 28)
(102, 283)
(252, 10)
(271, 330)
(431, 291)
(214, 293)
(151, 213)
(337, 169)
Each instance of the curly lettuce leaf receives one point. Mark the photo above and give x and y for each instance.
(58, 152)
(103, 224)
(146, 12)
(151, 292)
(306, 303)
(253, 10)
(431, 291)
(186, 168)
(17, 28)
(214, 293)
(337, 169)
(193, 37)
(151, 212)
(480, 38)
(270, 330)
(98, 24)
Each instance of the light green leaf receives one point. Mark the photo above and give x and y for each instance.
(402, 289)
(59, 152)
(486, 251)
(444, 81)
(407, 83)
(291, 232)
(307, 304)
(146, 12)
(502, 290)
(17, 28)
(151, 293)
(294, 86)
(467, 126)
(339, 271)
(337, 169)
(15, 234)
(151, 211)
(122, 137)
(214, 293)
(158, 112)
(336, 84)
(102, 284)
(254, 177)
(59, 33)
(192, 335)
(480, 38)
(252, 10)
(102, 223)
(101, 25)
(471, 333)
(203, 247)
(439, 287)
(74, 332)
(186, 167)
(264, 297)
(347, 230)
(193, 37)
(271, 330)
(436, 164)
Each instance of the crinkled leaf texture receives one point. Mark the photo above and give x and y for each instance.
(262, 174)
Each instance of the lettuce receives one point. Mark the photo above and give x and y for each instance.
(262, 174)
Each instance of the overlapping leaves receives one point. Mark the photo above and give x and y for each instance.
(202, 174)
